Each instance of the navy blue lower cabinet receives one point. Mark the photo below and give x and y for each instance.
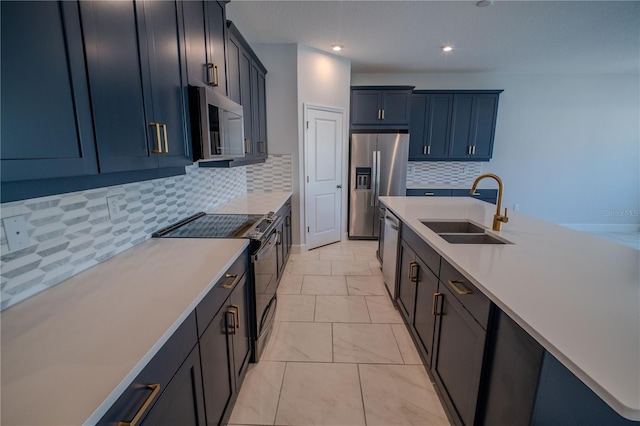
(47, 130)
(407, 270)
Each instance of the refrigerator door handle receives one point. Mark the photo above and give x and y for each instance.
(377, 153)
(374, 178)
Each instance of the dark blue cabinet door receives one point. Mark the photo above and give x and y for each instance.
(204, 26)
(245, 101)
(396, 107)
(233, 63)
(163, 21)
(46, 118)
(365, 107)
(485, 121)
(462, 127)
(117, 62)
(438, 126)
(417, 136)
(260, 111)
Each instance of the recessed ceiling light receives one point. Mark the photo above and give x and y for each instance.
(484, 3)
(336, 47)
(447, 48)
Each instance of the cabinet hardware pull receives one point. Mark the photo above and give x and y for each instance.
(166, 143)
(212, 75)
(159, 149)
(434, 305)
(473, 150)
(378, 114)
(231, 329)
(237, 309)
(453, 285)
(233, 283)
(216, 80)
(424, 150)
(469, 150)
(287, 221)
(383, 114)
(412, 277)
(475, 194)
(262, 147)
(429, 194)
(279, 239)
(155, 389)
(247, 146)
(428, 149)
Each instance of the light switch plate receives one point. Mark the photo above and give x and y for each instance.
(15, 228)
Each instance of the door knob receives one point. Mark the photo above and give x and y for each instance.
(339, 186)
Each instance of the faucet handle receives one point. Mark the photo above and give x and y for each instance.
(503, 219)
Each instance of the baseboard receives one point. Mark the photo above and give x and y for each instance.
(602, 227)
(298, 248)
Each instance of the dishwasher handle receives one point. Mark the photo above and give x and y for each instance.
(392, 221)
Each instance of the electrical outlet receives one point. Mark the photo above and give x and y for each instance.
(412, 169)
(465, 170)
(516, 207)
(15, 228)
(115, 204)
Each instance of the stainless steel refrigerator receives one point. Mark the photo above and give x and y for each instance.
(378, 167)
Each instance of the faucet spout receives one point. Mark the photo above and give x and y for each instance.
(498, 219)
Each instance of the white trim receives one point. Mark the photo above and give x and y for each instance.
(602, 227)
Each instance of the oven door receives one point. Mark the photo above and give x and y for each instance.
(265, 266)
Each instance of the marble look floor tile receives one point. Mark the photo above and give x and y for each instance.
(365, 286)
(299, 341)
(336, 253)
(382, 310)
(307, 255)
(324, 284)
(311, 267)
(375, 268)
(371, 245)
(258, 398)
(405, 344)
(341, 309)
(339, 267)
(290, 284)
(365, 343)
(295, 307)
(366, 255)
(399, 395)
(320, 394)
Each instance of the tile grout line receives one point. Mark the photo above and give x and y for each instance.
(364, 409)
(280, 392)
(398, 344)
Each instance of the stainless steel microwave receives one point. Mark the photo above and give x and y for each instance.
(217, 125)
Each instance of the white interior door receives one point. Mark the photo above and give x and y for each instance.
(323, 167)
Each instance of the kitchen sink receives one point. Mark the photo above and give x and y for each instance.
(472, 239)
(453, 227)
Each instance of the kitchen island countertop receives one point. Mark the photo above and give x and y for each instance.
(576, 294)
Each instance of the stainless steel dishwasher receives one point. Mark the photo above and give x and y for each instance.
(390, 252)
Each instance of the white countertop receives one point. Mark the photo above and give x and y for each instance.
(423, 185)
(576, 294)
(254, 203)
(74, 348)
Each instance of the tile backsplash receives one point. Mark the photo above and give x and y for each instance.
(72, 232)
(275, 174)
(442, 173)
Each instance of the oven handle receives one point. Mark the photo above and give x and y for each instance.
(273, 240)
(269, 313)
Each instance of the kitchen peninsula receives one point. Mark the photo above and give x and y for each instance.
(576, 295)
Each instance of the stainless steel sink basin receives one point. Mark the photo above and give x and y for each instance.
(453, 227)
(472, 239)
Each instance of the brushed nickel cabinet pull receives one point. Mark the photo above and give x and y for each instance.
(383, 114)
(429, 194)
(452, 284)
(158, 150)
(166, 143)
(155, 389)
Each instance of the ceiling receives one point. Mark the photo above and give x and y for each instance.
(406, 36)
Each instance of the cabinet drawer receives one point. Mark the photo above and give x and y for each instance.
(213, 301)
(427, 192)
(423, 250)
(158, 371)
(471, 298)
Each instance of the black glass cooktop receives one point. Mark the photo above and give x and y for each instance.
(212, 226)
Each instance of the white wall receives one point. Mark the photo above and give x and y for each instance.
(566, 146)
(297, 75)
(324, 79)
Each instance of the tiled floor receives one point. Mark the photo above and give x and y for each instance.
(339, 353)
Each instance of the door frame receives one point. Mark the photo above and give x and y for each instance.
(303, 169)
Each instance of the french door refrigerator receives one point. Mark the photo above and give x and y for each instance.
(378, 167)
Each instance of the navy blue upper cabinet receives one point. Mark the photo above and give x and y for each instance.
(473, 126)
(46, 117)
(247, 86)
(205, 25)
(380, 107)
(430, 126)
(137, 75)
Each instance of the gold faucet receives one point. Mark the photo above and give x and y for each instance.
(497, 218)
